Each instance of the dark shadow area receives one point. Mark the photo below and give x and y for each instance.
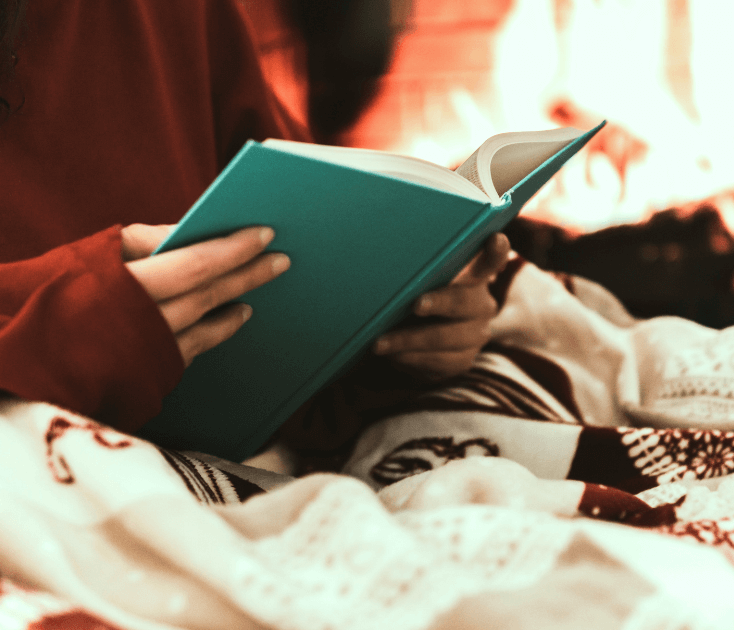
(669, 265)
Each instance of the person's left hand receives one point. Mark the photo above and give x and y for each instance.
(440, 350)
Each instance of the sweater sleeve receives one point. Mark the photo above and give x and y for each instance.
(245, 106)
(77, 330)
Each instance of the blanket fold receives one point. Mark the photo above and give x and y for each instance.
(580, 476)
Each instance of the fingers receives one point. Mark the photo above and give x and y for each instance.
(212, 330)
(183, 311)
(191, 284)
(469, 309)
(447, 349)
(140, 241)
(488, 263)
(498, 249)
(458, 301)
(182, 270)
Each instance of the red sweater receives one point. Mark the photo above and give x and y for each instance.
(131, 108)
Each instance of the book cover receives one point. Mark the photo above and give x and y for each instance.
(363, 247)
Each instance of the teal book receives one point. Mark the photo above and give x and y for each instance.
(367, 232)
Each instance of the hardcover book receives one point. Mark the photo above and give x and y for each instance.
(367, 232)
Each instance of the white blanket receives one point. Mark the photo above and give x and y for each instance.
(577, 480)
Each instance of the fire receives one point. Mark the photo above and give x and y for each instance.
(657, 70)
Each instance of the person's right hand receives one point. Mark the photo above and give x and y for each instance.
(192, 284)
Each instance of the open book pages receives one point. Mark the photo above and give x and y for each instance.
(505, 159)
(497, 165)
(400, 166)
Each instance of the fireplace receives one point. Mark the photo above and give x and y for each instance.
(648, 208)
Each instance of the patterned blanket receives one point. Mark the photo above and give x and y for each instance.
(578, 477)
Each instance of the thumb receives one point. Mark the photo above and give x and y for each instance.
(489, 262)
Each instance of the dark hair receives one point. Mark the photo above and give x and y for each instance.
(349, 47)
(11, 18)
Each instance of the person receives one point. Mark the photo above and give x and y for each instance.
(121, 114)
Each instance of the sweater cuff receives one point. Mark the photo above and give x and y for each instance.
(82, 333)
(147, 348)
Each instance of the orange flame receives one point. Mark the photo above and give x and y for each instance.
(466, 69)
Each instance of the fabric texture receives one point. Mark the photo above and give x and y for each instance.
(77, 330)
(104, 533)
(125, 112)
(574, 391)
(579, 476)
(534, 492)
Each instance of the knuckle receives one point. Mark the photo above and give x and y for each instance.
(468, 336)
(198, 265)
(209, 297)
(472, 298)
(431, 338)
(446, 336)
(465, 299)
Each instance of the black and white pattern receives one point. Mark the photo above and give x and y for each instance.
(208, 483)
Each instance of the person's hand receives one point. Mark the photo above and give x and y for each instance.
(193, 286)
(439, 350)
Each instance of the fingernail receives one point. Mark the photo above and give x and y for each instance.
(382, 345)
(281, 263)
(266, 235)
(425, 304)
(246, 312)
